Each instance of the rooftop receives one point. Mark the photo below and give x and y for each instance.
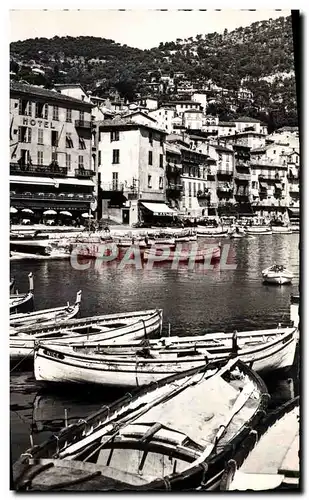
(247, 119)
(126, 123)
(223, 149)
(48, 94)
(226, 124)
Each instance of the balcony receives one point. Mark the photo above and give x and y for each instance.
(38, 170)
(242, 195)
(27, 195)
(112, 186)
(83, 124)
(203, 195)
(224, 188)
(242, 177)
(84, 174)
(222, 171)
(268, 163)
(174, 187)
(211, 173)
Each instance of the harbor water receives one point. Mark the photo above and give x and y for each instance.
(195, 301)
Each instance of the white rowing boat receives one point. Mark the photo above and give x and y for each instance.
(277, 275)
(108, 328)
(125, 366)
(47, 317)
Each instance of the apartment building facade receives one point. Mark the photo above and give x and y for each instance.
(51, 162)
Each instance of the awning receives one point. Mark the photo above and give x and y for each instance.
(294, 211)
(48, 181)
(263, 185)
(24, 179)
(159, 209)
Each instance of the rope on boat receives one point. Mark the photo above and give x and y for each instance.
(22, 360)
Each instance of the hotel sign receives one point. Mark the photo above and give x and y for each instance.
(38, 122)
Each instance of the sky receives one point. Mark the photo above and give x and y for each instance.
(137, 28)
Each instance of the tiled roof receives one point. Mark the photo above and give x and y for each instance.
(193, 111)
(226, 124)
(121, 122)
(247, 119)
(223, 149)
(48, 94)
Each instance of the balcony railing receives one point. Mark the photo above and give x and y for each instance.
(82, 173)
(268, 162)
(83, 124)
(174, 187)
(222, 171)
(242, 194)
(242, 177)
(39, 170)
(113, 186)
(273, 178)
(224, 188)
(203, 195)
(50, 196)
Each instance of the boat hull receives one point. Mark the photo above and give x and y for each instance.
(64, 365)
(22, 344)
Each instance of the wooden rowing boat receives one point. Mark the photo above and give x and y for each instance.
(193, 254)
(106, 328)
(126, 366)
(22, 301)
(277, 275)
(47, 317)
(269, 458)
(172, 435)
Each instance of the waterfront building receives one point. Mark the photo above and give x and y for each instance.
(131, 169)
(269, 181)
(225, 179)
(174, 186)
(52, 165)
(242, 179)
(293, 176)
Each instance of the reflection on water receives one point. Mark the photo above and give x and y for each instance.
(194, 302)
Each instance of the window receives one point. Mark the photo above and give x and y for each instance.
(46, 111)
(80, 162)
(55, 113)
(162, 138)
(39, 109)
(25, 107)
(68, 160)
(40, 157)
(274, 151)
(54, 138)
(81, 116)
(150, 137)
(24, 134)
(114, 135)
(116, 156)
(40, 136)
(68, 141)
(190, 193)
(81, 143)
(161, 161)
(296, 160)
(54, 157)
(194, 189)
(99, 157)
(199, 186)
(149, 181)
(115, 181)
(160, 182)
(68, 117)
(149, 157)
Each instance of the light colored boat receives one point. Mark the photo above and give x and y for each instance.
(22, 301)
(281, 229)
(258, 230)
(172, 435)
(278, 275)
(183, 255)
(108, 328)
(129, 242)
(125, 366)
(209, 231)
(47, 317)
(273, 461)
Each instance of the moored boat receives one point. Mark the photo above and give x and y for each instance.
(22, 301)
(173, 435)
(277, 275)
(258, 230)
(105, 328)
(127, 366)
(272, 449)
(193, 254)
(294, 310)
(47, 317)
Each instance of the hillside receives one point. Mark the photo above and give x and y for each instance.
(258, 58)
